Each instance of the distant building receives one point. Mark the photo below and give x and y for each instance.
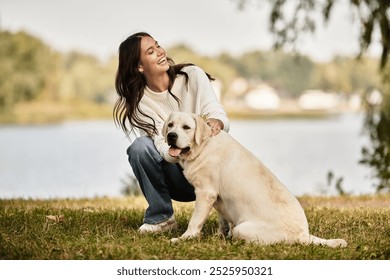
(238, 87)
(318, 100)
(374, 97)
(355, 102)
(263, 97)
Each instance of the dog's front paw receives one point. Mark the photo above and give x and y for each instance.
(338, 243)
(185, 236)
(175, 240)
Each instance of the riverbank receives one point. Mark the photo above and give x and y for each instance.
(106, 228)
(35, 113)
(47, 112)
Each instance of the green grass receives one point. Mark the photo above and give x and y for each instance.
(106, 228)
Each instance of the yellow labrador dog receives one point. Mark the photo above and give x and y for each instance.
(251, 202)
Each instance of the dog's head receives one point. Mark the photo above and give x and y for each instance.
(184, 132)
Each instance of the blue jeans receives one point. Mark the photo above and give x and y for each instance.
(160, 181)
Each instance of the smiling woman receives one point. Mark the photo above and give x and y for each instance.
(153, 64)
(150, 86)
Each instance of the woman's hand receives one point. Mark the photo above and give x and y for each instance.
(216, 126)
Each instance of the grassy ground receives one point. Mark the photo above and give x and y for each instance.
(106, 228)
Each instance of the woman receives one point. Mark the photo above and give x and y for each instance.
(150, 86)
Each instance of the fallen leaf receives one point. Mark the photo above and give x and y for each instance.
(57, 218)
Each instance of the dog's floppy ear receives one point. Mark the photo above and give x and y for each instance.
(202, 131)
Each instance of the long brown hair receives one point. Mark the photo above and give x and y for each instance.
(130, 85)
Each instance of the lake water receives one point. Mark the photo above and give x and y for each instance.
(88, 159)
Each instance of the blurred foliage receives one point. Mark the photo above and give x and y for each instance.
(377, 125)
(289, 73)
(286, 72)
(33, 73)
(27, 68)
(215, 67)
(289, 19)
(347, 75)
(85, 77)
(131, 186)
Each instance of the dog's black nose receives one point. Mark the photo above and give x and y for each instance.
(172, 137)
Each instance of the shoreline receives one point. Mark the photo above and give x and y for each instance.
(54, 113)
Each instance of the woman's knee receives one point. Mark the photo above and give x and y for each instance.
(143, 148)
(138, 146)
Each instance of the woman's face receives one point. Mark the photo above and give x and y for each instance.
(153, 59)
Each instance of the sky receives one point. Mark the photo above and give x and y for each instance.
(208, 27)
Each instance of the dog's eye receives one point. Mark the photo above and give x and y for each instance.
(186, 127)
(170, 124)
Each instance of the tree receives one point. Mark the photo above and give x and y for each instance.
(85, 78)
(286, 72)
(289, 19)
(218, 69)
(347, 75)
(26, 66)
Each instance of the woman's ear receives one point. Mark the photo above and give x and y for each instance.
(140, 69)
(202, 131)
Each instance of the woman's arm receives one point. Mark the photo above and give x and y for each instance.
(209, 106)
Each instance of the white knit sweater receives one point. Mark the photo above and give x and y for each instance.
(197, 96)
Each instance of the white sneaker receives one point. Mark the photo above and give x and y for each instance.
(163, 226)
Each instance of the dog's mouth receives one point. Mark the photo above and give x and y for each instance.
(176, 151)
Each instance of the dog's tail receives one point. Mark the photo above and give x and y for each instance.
(334, 243)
